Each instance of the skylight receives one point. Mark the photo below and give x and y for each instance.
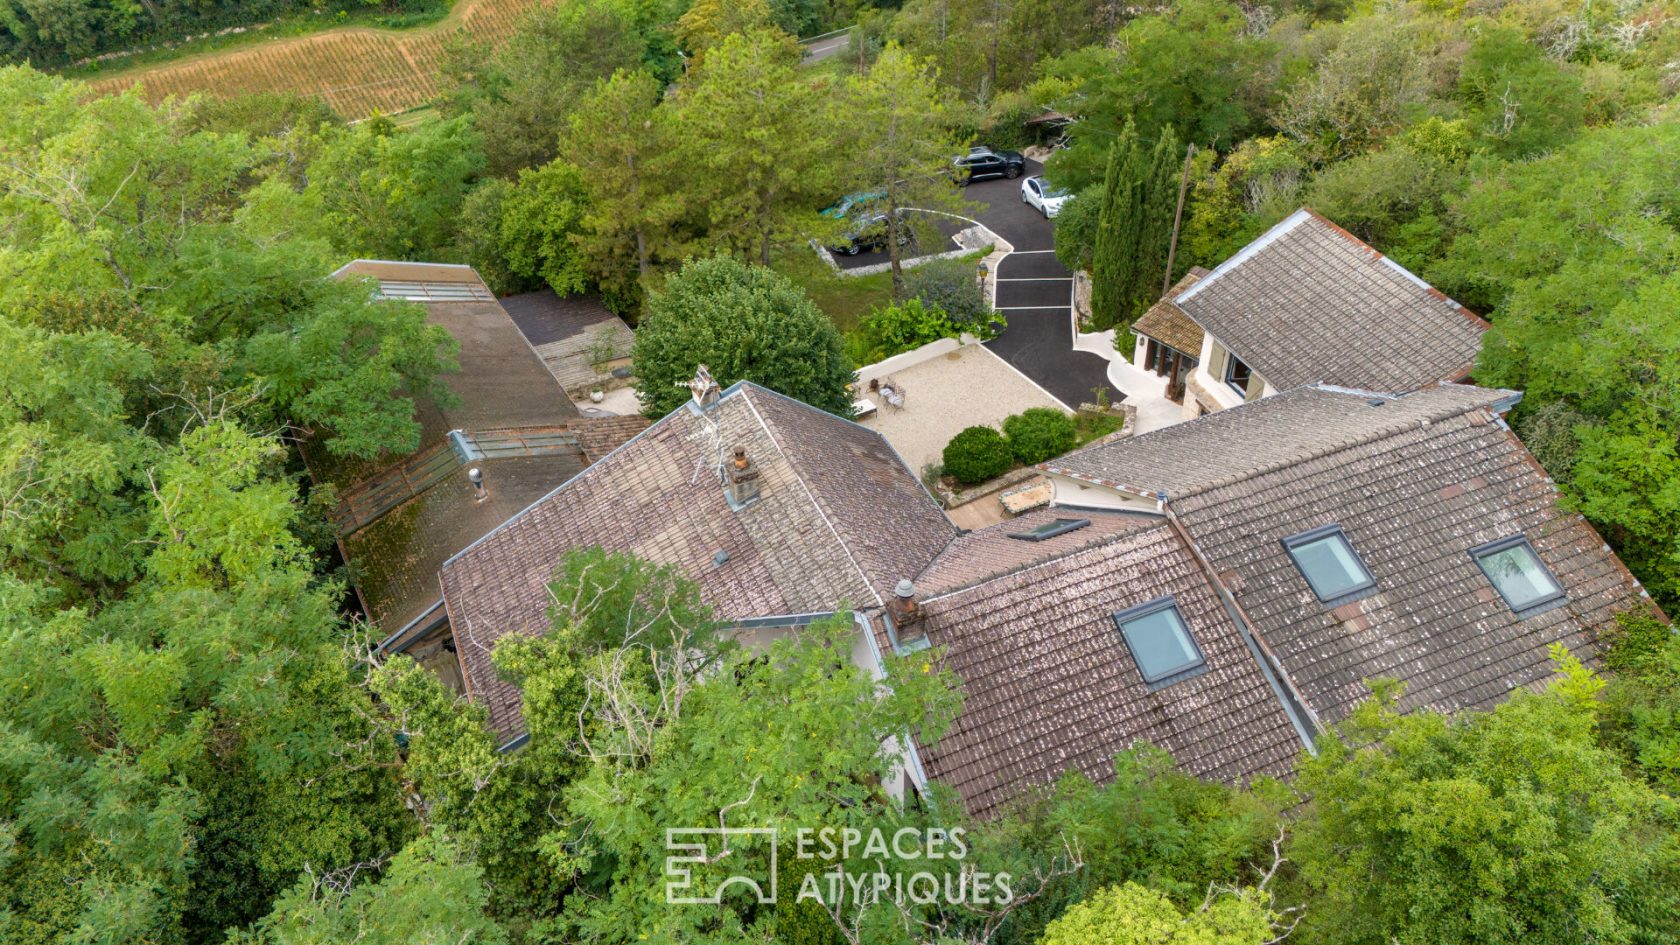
(1051, 529)
(1516, 571)
(1160, 642)
(1329, 563)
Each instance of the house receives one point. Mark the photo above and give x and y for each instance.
(1306, 303)
(511, 436)
(1222, 588)
(1362, 535)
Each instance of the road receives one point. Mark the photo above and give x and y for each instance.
(1035, 293)
(825, 47)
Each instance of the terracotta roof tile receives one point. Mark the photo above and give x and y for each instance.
(1050, 686)
(1308, 303)
(1167, 323)
(839, 518)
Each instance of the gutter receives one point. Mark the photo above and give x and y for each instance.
(1295, 706)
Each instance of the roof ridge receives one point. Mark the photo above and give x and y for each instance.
(1382, 431)
(799, 477)
(1036, 563)
(1371, 436)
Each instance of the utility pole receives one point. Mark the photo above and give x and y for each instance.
(1178, 216)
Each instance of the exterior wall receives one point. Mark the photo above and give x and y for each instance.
(1206, 391)
(1071, 491)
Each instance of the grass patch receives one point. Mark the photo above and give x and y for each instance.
(844, 299)
(1093, 426)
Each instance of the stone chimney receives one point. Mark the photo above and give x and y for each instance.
(741, 480)
(906, 617)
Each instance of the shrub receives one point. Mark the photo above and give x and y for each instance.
(953, 287)
(976, 455)
(892, 329)
(1076, 228)
(1040, 433)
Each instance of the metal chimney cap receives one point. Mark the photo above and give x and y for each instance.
(475, 475)
(720, 558)
(905, 588)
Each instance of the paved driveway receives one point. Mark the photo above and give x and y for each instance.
(1035, 293)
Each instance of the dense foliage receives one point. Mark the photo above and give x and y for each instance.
(977, 454)
(1039, 433)
(745, 323)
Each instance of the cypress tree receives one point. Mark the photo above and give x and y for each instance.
(1114, 260)
(1158, 201)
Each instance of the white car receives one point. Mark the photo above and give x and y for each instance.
(1038, 192)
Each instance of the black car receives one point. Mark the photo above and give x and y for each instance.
(983, 162)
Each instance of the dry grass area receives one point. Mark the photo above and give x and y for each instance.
(356, 70)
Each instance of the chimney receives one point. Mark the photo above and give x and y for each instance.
(903, 607)
(741, 479)
(476, 477)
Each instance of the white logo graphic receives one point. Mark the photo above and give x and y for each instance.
(692, 846)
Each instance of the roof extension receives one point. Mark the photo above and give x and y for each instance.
(1166, 322)
(1310, 303)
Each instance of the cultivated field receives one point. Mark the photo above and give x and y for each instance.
(356, 70)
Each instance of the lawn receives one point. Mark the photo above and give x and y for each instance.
(844, 299)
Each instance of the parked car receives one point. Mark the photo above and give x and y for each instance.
(983, 162)
(866, 227)
(1043, 196)
(866, 223)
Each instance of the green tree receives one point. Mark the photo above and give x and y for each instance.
(541, 223)
(522, 98)
(1192, 66)
(618, 146)
(900, 126)
(750, 132)
(1137, 915)
(745, 323)
(1115, 260)
(1512, 825)
(429, 894)
(390, 193)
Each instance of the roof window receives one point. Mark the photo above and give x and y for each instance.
(1329, 563)
(1160, 642)
(1515, 570)
(1051, 529)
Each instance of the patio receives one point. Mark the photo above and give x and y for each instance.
(941, 388)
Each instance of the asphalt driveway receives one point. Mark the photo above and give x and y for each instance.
(1035, 293)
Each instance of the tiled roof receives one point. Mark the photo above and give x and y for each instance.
(1167, 323)
(838, 522)
(395, 557)
(1412, 503)
(989, 552)
(1309, 303)
(1261, 435)
(1050, 686)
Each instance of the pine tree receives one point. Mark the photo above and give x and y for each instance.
(1114, 263)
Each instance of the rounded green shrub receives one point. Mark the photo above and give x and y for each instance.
(976, 455)
(1039, 433)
